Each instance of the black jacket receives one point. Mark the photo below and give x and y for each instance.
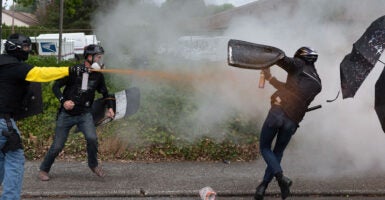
(83, 99)
(300, 88)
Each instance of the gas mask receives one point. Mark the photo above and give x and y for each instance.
(21, 52)
(99, 63)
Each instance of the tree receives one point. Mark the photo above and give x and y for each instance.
(77, 13)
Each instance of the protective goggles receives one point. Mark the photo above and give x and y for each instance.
(24, 47)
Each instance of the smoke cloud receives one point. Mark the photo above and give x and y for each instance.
(134, 34)
(342, 137)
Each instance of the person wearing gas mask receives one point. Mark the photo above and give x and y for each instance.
(15, 78)
(76, 102)
(288, 107)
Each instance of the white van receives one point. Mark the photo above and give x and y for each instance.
(72, 45)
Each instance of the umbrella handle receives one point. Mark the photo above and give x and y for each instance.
(338, 94)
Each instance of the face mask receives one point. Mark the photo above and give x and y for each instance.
(22, 55)
(96, 66)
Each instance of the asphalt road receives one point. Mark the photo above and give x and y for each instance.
(217, 198)
(183, 180)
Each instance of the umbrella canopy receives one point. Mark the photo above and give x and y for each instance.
(366, 51)
(379, 100)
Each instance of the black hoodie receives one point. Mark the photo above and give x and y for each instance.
(300, 88)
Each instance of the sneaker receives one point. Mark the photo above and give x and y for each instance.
(43, 176)
(98, 171)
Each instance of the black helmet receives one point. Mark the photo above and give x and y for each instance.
(306, 53)
(18, 45)
(92, 49)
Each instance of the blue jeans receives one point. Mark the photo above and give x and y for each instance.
(64, 123)
(11, 167)
(277, 124)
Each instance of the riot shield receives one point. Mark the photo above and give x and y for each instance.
(249, 55)
(126, 104)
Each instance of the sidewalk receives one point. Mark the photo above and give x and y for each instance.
(135, 179)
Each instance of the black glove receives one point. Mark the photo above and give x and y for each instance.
(267, 73)
(13, 141)
(78, 70)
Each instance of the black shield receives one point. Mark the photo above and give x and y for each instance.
(252, 56)
(126, 103)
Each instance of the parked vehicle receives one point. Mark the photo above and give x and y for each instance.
(72, 44)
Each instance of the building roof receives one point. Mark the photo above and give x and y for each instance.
(27, 19)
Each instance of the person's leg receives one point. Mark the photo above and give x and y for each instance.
(13, 169)
(269, 175)
(283, 138)
(63, 126)
(269, 131)
(13, 176)
(87, 127)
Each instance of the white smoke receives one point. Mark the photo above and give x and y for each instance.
(219, 90)
(343, 136)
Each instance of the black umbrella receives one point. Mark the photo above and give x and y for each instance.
(366, 51)
(356, 66)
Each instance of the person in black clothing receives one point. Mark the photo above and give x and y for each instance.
(15, 79)
(76, 102)
(288, 107)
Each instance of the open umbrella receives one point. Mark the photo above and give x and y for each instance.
(366, 51)
(356, 66)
